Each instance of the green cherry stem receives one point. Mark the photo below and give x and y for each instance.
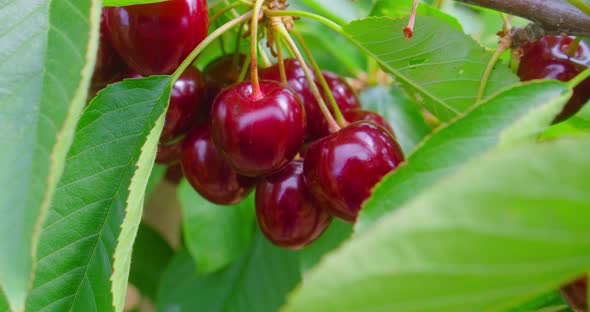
(221, 12)
(326, 21)
(280, 28)
(264, 56)
(580, 5)
(244, 70)
(318, 72)
(256, 91)
(207, 41)
(503, 45)
(281, 61)
(579, 78)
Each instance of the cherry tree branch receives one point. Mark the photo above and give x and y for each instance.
(554, 16)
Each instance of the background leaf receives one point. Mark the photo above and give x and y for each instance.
(80, 234)
(151, 255)
(501, 240)
(516, 114)
(396, 8)
(403, 115)
(45, 65)
(338, 232)
(259, 281)
(215, 235)
(440, 66)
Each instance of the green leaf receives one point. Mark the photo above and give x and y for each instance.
(344, 11)
(501, 240)
(338, 232)
(45, 68)
(550, 299)
(396, 8)
(128, 2)
(3, 302)
(158, 173)
(259, 281)
(517, 114)
(151, 255)
(97, 200)
(440, 66)
(215, 235)
(407, 121)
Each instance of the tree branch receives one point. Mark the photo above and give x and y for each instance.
(554, 16)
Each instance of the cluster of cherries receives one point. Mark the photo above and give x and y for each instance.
(232, 137)
(551, 58)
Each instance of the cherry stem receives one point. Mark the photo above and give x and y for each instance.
(207, 41)
(221, 12)
(256, 91)
(572, 48)
(283, 32)
(326, 21)
(439, 4)
(221, 43)
(263, 56)
(579, 78)
(503, 45)
(580, 5)
(281, 62)
(318, 72)
(244, 70)
(409, 30)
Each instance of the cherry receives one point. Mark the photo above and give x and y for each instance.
(222, 72)
(187, 104)
(258, 136)
(208, 173)
(169, 154)
(353, 115)
(109, 65)
(547, 59)
(286, 212)
(576, 294)
(343, 93)
(342, 168)
(155, 38)
(174, 174)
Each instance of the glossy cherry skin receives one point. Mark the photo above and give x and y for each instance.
(343, 93)
(576, 294)
(354, 115)
(188, 104)
(342, 168)
(297, 81)
(169, 154)
(155, 38)
(109, 65)
(547, 59)
(174, 174)
(286, 212)
(222, 72)
(208, 173)
(258, 136)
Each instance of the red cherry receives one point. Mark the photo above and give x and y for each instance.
(547, 59)
(222, 72)
(576, 294)
(286, 211)
(343, 93)
(354, 115)
(109, 65)
(155, 38)
(187, 104)
(342, 168)
(169, 154)
(174, 174)
(208, 173)
(257, 136)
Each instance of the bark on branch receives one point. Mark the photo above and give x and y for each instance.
(554, 16)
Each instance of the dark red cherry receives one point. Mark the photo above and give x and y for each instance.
(208, 173)
(576, 294)
(343, 93)
(342, 168)
(155, 38)
(222, 72)
(286, 211)
(258, 136)
(188, 103)
(174, 174)
(109, 65)
(169, 154)
(297, 81)
(354, 115)
(547, 59)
